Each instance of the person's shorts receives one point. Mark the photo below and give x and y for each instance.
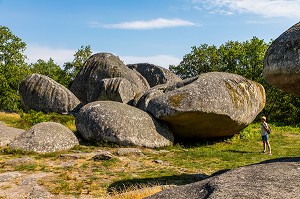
(265, 138)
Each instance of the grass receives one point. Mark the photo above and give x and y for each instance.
(136, 176)
(27, 120)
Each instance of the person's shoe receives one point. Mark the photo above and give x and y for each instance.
(269, 153)
(262, 152)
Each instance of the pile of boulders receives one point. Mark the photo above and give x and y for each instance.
(145, 105)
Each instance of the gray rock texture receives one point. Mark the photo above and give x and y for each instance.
(21, 185)
(141, 101)
(41, 93)
(213, 105)
(282, 61)
(8, 134)
(86, 85)
(115, 89)
(122, 124)
(45, 137)
(267, 180)
(155, 75)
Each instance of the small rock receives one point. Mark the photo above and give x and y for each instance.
(7, 176)
(102, 156)
(126, 151)
(159, 161)
(19, 161)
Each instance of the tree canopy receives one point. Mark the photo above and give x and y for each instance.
(12, 68)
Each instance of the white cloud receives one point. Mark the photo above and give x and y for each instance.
(145, 25)
(265, 8)
(60, 56)
(159, 60)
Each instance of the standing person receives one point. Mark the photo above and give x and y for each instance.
(264, 134)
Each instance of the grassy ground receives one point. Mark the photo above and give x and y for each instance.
(136, 176)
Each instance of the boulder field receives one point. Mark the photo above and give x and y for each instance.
(114, 102)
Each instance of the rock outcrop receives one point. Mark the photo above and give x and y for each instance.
(86, 85)
(212, 105)
(114, 89)
(155, 75)
(268, 180)
(41, 93)
(122, 124)
(282, 61)
(45, 137)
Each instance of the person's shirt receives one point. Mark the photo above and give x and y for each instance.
(263, 128)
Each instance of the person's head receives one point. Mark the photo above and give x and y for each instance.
(263, 118)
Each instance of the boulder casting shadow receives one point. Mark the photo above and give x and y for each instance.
(182, 179)
(268, 179)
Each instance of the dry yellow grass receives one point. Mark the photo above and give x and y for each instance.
(6, 117)
(136, 193)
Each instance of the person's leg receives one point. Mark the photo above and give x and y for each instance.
(269, 147)
(264, 145)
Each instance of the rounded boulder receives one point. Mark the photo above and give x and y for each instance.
(155, 75)
(45, 137)
(122, 124)
(41, 93)
(114, 89)
(282, 61)
(213, 105)
(102, 66)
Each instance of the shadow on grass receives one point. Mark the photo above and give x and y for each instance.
(183, 179)
(284, 159)
(123, 185)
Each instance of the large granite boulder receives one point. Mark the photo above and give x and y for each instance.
(212, 105)
(282, 61)
(141, 101)
(41, 93)
(122, 124)
(114, 89)
(45, 137)
(274, 179)
(8, 134)
(155, 75)
(86, 85)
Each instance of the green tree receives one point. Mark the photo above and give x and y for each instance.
(13, 68)
(243, 58)
(80, 56)
(202, 59)
(52, 70)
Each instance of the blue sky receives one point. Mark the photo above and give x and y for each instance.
(160, 32)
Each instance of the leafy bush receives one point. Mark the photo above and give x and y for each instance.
(251, 132)
(34, 117)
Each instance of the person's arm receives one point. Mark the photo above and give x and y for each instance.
(266, 126)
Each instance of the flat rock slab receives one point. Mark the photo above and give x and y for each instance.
(19, 185)
(277, 179)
